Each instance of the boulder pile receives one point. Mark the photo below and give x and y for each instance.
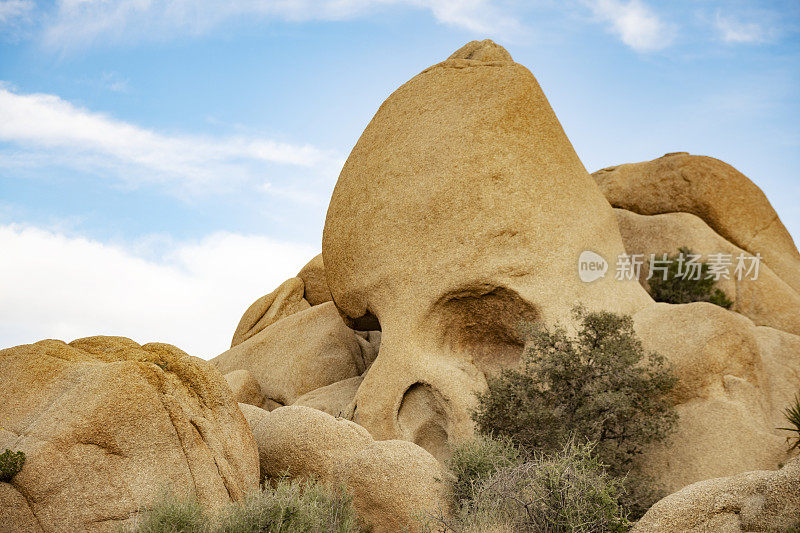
(107, 425)
(460, 215)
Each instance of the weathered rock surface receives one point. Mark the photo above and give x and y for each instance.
(298, 354)
(767, 300)
(391, 481)
(245, 388)
(316, 286)
(107, 424)
(752, 501)
(335, 399)
(478, 209)
(723, 197)
(729, 396)
(286, 300)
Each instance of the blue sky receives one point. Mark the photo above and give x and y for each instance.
(164, 163)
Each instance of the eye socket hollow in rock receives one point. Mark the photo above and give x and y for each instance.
(483, 322)
(423, 419)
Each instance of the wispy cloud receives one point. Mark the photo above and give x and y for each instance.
(77, 23)
(43, 129)
(12, 10)
(635, 23)
(57, 286)
(734, 31)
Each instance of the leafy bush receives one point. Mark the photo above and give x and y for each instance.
(10, 464)
(678, 288)
(475, 460)
(289, 507)
(600, 386)
(567, 491)
(793, 416)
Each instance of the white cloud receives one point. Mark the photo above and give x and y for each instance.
(634, 22)
(12, 10)
(78, 23)
(57, 286)
(733, 31)
(45, 129)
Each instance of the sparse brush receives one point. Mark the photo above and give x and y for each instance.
(171, 514)
(793, 416)
(292, 506)
(567, 491)
(288, 507)
(475, 460)
(10, 464)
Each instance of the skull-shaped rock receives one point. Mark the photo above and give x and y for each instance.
(461, 213)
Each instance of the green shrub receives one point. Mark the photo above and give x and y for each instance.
(599, 386)
(289, 507)
(566, 491)
(10, 464)
(475, 460)
(677, 289)
(793, 416)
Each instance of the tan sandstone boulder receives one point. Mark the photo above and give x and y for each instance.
(316, 286)
(764, 298)
(335, 399)
(478, 209)
(298, 354)
(723, 197)
(107, 424)
(245, 387)
(735, 379)
(286, 300)
(392, 482)
(752, 501)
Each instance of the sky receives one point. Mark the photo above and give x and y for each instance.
(164, 163)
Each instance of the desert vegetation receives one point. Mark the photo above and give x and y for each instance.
(10, 464)
(288, 507)
(500, 488)
(793, 417)
(680, 286)
(594, 399)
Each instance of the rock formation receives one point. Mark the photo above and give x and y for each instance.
(478, 209)
(280, 303)
(315, 286)
(459, 215)
(767, 300)
(245, 387)
(723, 197)
(298, 354)
(752, 501)
(107, 424)
(730, 396)
(393, 482)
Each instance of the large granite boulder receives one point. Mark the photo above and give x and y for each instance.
(286, 300)
(393, 483)
(477, 210)
(751, 501)
(302, 352)
(723, 197)
(106, 425)
(760, 295)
